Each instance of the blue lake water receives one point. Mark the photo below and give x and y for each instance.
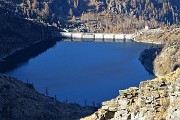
(84, 71)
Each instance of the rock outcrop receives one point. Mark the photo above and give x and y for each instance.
(20, 101)
(168, 60)
(161, 61)
(166, 57)
(156, 99)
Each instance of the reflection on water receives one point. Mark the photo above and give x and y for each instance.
(85, 72)
(23, 56)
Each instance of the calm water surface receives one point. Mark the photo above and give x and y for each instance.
(84, 71)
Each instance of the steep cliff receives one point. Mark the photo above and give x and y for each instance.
(154, 99)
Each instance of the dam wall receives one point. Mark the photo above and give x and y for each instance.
(97, 37)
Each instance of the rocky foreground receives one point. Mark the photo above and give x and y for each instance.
(154, 99)
(20, 101)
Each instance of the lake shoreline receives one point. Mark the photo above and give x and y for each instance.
(20, 55)
(103, 49)
(135, 39)
(7, 57)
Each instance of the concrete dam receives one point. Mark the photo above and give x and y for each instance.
(97, 37)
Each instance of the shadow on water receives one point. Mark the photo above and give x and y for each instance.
(148, 56)
(21, 56)
(103, 60)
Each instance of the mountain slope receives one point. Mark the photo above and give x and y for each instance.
(17, 31)
(20, 101)
(131, 15)
(103, 15)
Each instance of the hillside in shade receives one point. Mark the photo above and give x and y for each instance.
(17, 31)
(20, 101)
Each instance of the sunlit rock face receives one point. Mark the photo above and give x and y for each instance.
(169, 58)
(165, 58)
(154, 99)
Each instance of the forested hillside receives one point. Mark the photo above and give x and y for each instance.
(102, 15)
(122, 15)
(17, 31)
